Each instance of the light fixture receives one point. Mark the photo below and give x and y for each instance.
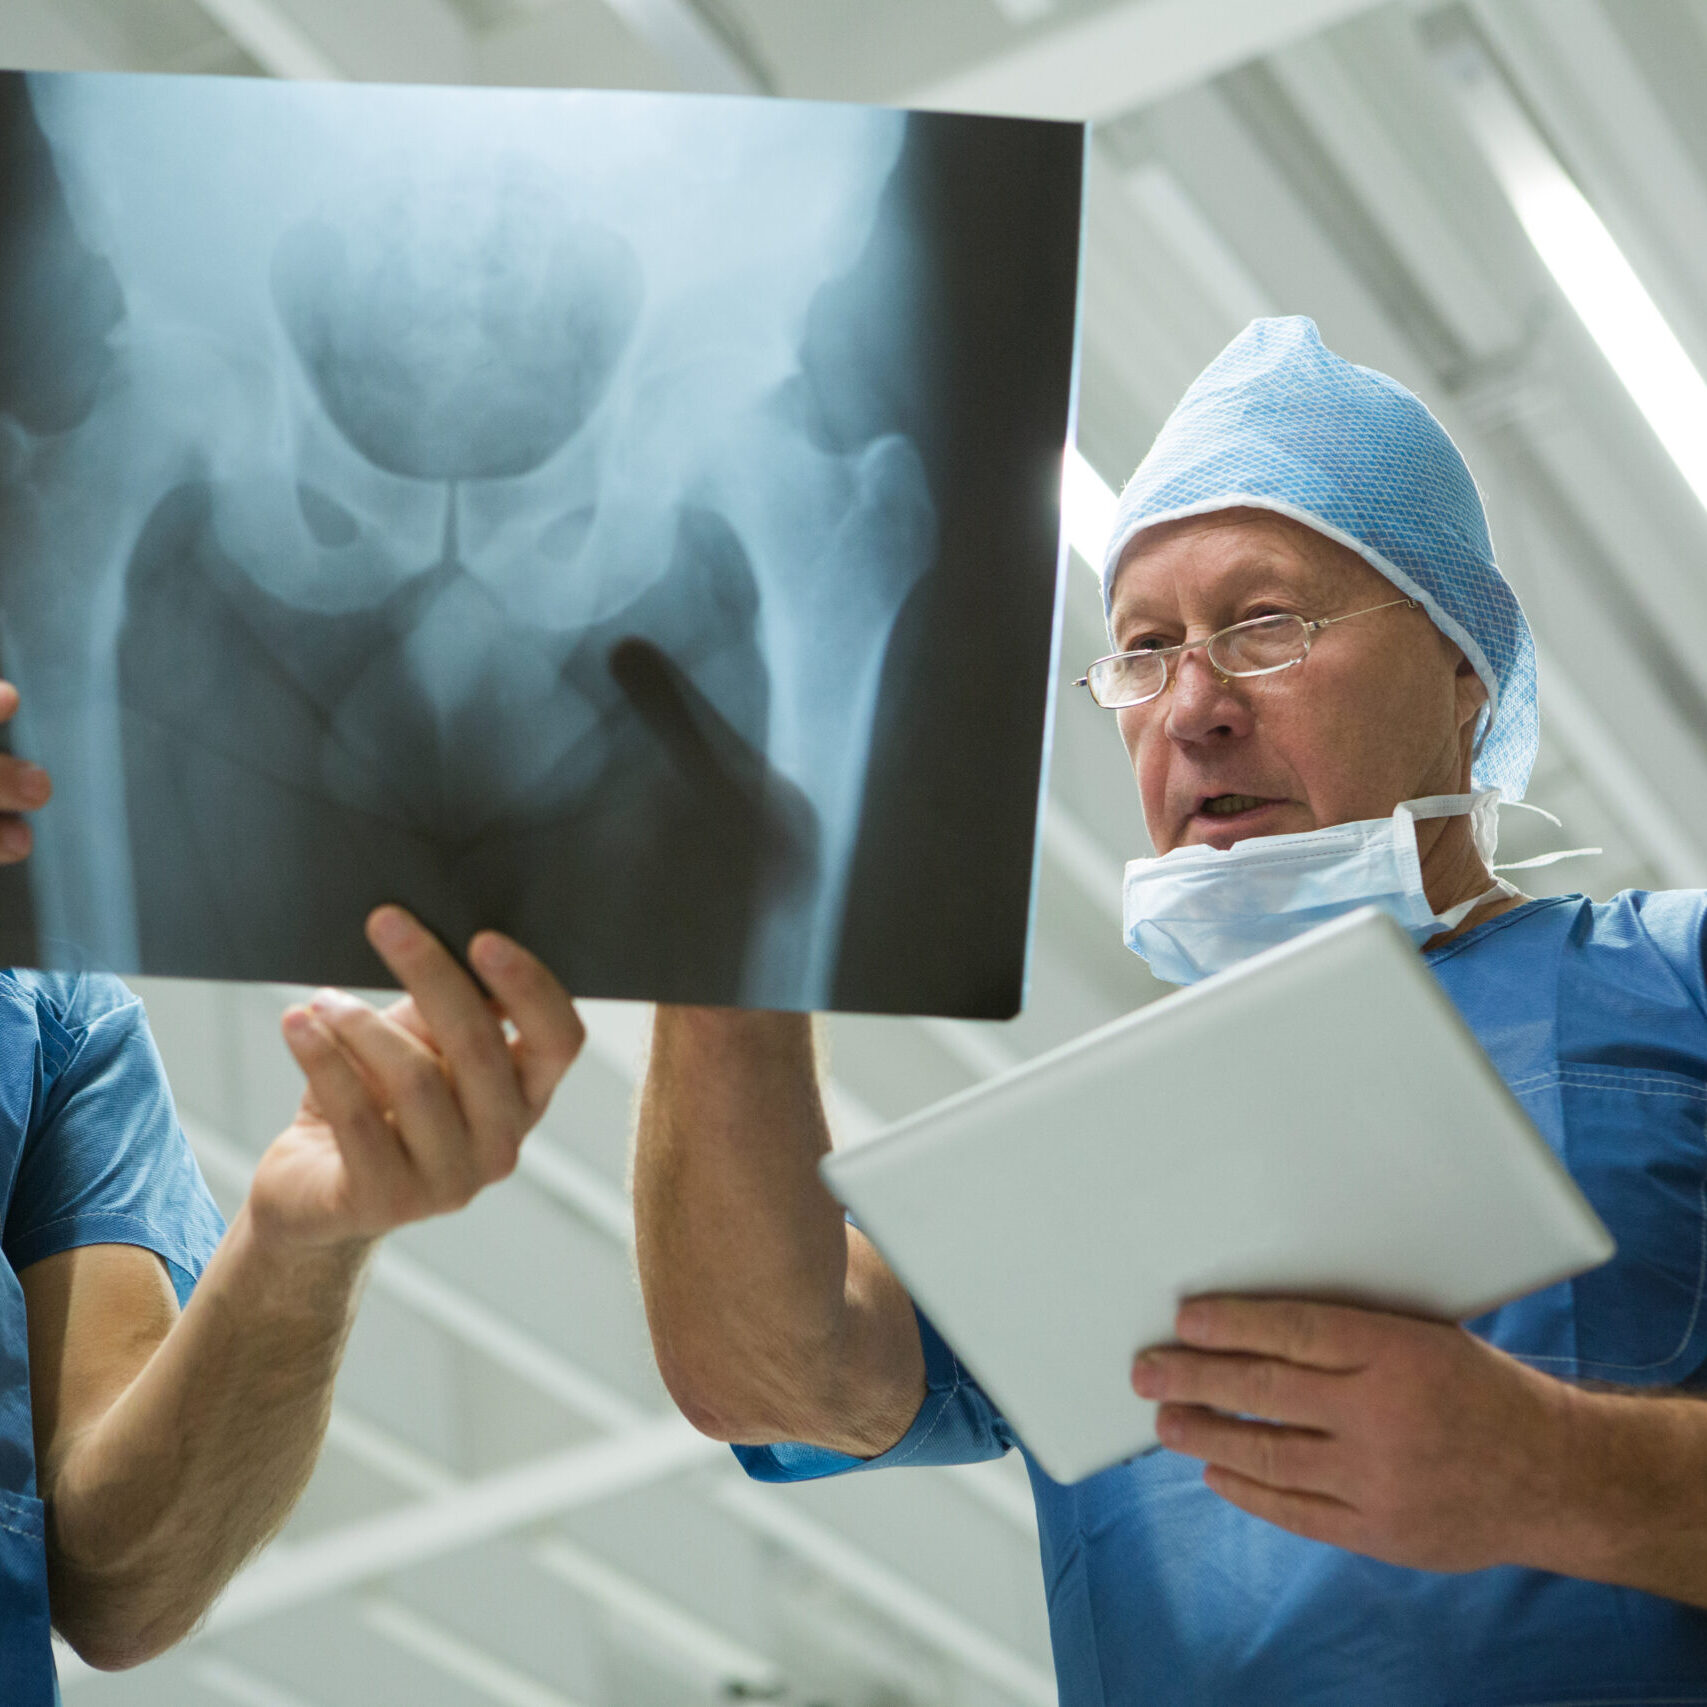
(1087, 508)
(1583, 257)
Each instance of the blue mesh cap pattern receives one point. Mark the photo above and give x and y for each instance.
(1279, 422)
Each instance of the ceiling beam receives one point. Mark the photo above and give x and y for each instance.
(1579, 77)
(1676, 856)
(712, 1661)
(397, 41)
(483, 1330)
(463, 1517)
(1129, 55)
(705, 1656)
(36, 35)
(700, 54)
(240, 1686)
(1406, 196)
(897, 1597)
(272, 38)
(483, 1672)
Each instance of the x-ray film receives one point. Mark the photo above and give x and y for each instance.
(627, 521)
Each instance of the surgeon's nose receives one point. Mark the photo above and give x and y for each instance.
(1202, 702)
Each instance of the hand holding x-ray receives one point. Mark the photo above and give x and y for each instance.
(410, 1111)
(23, 787)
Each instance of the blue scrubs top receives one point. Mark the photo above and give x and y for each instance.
(1163, 1595)
(91, 1153)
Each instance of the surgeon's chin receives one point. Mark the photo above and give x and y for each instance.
(1223, 829)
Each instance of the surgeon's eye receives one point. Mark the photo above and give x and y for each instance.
(1148, 643)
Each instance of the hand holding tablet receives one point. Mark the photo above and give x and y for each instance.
(1364, 1151)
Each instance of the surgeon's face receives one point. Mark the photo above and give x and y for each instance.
(1382, 710)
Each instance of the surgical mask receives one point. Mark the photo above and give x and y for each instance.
(1199, 910)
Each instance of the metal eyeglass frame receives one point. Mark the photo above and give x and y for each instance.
(1165, 653)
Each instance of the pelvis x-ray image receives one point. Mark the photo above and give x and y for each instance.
(628, 521)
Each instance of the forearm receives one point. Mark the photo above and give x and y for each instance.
(152, 1509)
(769, 1319)
(1632, 1506)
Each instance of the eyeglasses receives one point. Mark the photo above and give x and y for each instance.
(1255, 648)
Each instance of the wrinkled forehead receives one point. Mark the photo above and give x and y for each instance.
(1229, 553)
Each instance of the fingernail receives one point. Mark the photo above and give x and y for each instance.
(390, 928)
(14, 840)
(493, 951)
(34, 785)
(1147, 1380)
(1192, 1319)
(331, 1002)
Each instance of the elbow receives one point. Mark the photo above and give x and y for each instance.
(719, 1408)
(110, 1628)
(756, 1405)
(111, 1645)
(714, 1422)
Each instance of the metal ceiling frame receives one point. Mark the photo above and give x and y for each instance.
(269, 33)
(1128, 55)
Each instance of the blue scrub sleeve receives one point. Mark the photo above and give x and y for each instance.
(956, 1424)
(105, 1160)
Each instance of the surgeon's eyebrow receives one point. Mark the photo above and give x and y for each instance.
(1261, 576)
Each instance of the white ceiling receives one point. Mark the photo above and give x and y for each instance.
(507, 1511)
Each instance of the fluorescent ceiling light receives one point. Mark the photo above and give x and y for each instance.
(1087, 508)
(1592, 271)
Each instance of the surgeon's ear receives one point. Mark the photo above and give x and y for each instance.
(1470, 691)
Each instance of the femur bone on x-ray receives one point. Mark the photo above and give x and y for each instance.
(627, 521)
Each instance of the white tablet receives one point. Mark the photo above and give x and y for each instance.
(1316, 1122)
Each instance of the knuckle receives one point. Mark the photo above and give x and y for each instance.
(1262, 1387)
(1297, 1326)
(457, 1189)
(419, 1080)
(1269, 1456)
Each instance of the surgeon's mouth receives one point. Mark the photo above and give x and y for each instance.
(1222, 819)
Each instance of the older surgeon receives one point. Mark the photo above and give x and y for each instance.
(151, 1436)
(1351, 1507)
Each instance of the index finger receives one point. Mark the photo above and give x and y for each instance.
(549, 1032)
(460, 1025)
(1320, 1336)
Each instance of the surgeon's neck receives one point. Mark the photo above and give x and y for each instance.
(1453, 872)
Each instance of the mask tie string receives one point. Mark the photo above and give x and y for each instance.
(1546, 858)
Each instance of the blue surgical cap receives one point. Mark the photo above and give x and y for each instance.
(1279, 422)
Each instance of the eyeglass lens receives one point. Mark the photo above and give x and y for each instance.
(1247, 649)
